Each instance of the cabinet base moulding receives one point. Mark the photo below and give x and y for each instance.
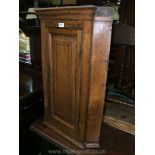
(39, 127)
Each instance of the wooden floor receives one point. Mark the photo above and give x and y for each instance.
(114, 141)
(117, 142)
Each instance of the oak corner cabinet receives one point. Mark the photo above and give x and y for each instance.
(75, 45)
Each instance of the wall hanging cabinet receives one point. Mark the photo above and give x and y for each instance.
(75, 51)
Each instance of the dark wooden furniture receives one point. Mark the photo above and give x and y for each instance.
(123, 57)
(120, 103)
(30, 106)
(30, 86)
(75, 51)
(126, 11)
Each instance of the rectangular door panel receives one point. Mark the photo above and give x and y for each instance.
(64, 82)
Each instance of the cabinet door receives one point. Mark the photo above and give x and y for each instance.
(63, 80)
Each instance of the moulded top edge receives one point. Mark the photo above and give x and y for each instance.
(67, 7)
(83, 12)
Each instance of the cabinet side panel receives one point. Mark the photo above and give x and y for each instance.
(99, 62)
